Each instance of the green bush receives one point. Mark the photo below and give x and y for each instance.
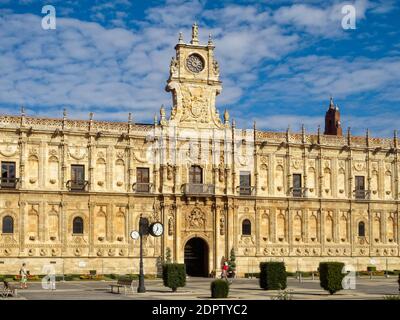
(371, 268)
(398, 281)
(219, 289)
(252, 275)
(128, 277)
(273, 275)
(174, 275)
(331, 276)
(392, 297)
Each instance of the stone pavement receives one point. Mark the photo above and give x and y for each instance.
(199, 288)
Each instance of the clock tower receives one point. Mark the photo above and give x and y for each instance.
(194, 83)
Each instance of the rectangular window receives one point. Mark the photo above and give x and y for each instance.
(8, 179)
(77, 177)
(195, 175)
(360, 187)
(297, 191)
(245, 183)
(142, 180)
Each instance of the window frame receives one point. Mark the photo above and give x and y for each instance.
(360, 225)
(246, 227)
(4, 225)
(82, 227)
(142, 182)
(195, 174)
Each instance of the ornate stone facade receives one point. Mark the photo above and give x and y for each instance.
(326, 217)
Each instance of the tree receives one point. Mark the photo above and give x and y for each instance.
(168, 255)
(232, 263)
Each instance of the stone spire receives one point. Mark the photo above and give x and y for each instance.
(332, 120)
(195, 34)
(210, 41)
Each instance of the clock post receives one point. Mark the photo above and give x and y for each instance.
(143, 230)
(156, 229)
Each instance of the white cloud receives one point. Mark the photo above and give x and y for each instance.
(112, 70)
(318, 20)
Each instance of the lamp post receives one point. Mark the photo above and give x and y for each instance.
(143, 230)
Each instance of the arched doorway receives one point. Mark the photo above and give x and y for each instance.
(196, 258)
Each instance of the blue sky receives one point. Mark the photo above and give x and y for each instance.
(280, 60)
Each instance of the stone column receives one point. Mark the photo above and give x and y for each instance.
(177, 238)
(91, 227)
(42, 164)
(22, 218)
(258, 228)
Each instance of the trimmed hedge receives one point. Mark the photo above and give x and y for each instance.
(398, 281)
(273, 275)
(219, 289)
(174, 275)
(371, 268)
(331, 276)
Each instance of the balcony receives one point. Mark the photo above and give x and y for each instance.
(77, 185)
(9, 183)
(298, 192)
(361, 194)
(245, 190)
(142, 187)
(198, 189)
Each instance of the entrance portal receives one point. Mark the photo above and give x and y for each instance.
(196, 257)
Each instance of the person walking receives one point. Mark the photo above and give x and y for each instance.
(24, 276)
(225, 268)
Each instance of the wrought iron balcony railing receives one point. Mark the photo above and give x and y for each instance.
(299, 192)
(9, 183)
(245, 190)
(198, 189)
(361, 194)
(77, 185)
(141, 187)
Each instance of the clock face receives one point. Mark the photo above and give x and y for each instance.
(135, 235)
(157, 229)
(195, 63)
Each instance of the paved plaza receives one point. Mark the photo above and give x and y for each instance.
(199, 288)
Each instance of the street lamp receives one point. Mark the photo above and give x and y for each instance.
(156, 229)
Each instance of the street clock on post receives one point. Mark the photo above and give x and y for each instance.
(156, 229)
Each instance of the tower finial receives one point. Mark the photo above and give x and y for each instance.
(226, 117)
(195, 34)
(180, 37)
(331, 104)
(210, 41)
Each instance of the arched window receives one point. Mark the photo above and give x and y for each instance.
(246, 227)
(8, 224)
(361, 229)
(77, 226)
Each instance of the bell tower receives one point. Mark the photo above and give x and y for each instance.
(194, 83)
(332, 120)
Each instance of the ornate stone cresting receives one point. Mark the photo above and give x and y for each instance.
(194, 83)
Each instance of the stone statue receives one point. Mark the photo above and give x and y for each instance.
(173, 66)
(195, 34)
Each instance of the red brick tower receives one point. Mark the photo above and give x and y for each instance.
(332, 120)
